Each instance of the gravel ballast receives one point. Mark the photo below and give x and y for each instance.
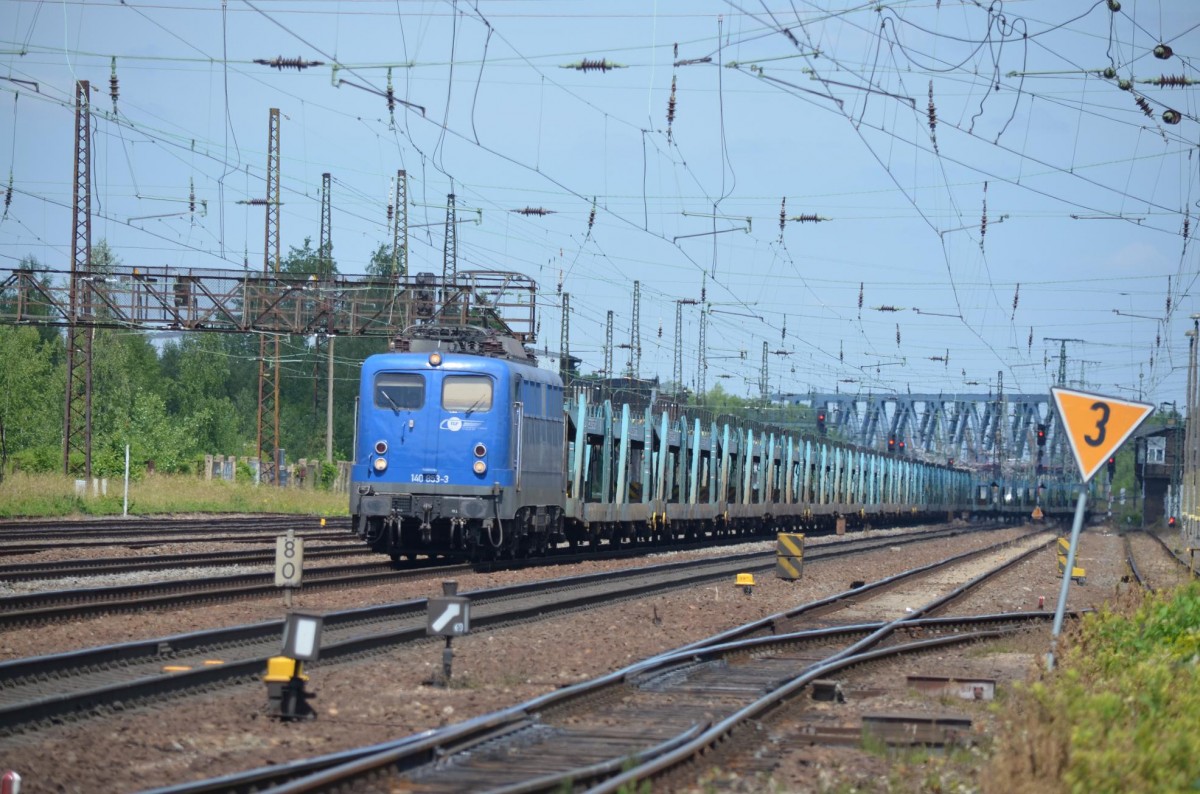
(389, 695)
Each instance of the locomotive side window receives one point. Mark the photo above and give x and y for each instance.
(399, 391)
(468, 393)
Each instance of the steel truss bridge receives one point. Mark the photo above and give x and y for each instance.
(971, 428)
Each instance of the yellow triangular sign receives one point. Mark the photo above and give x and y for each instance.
(1097, 425)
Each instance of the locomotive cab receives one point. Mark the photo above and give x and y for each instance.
(457, 455)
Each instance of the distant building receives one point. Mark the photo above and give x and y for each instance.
(1158, 469)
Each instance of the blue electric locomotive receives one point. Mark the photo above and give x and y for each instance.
(458, 455)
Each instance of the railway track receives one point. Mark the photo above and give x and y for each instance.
(52, 688)
(1160, 567)
(32, 571)
(28, 609)
(99, 527)
(31, 538)
(630, 728)
(75, 603)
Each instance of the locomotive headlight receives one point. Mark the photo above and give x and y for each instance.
(380, 465)
(480, 450)
(480, 467)
(435, 359)
(380, 447)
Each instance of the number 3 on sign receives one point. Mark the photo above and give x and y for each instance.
(1096, 425)
(1105, 412)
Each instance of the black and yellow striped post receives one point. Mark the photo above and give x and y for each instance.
(1077, 573)
(789, 555)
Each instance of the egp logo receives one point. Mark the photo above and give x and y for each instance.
(453, 424)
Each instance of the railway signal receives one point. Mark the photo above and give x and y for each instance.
(449, 617)
(1041, 435)
(285, 678)
(821, 422)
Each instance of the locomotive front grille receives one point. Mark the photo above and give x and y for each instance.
(402, 504)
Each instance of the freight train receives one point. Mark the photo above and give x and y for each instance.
(471, 451)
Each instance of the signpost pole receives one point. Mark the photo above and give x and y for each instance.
(1066, 582)
(1096, 426)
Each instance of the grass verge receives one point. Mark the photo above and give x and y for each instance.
(1120, 712)
(47, 495)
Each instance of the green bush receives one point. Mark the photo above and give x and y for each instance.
(329, 473)
(40, 460)
(1119, 715)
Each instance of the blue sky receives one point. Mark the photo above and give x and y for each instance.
(824, 104)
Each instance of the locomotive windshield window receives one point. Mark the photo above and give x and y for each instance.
(399, 391)
(467, 393)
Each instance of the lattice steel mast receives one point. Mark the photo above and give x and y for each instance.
(450, 252)
(608, 345)
(400, 229)
(677, 373)
(763, 382)
(564, 361)
(77, 419)
(268, 373)
(325, 246)
(635, 332)
(326, 267)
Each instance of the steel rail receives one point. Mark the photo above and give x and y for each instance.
(432, 745)
(330, 773)
(436, 742)
(1170, 552)
(133, 526)
(252, 645)
(45, 606)
(110, 565)
(162, 540)
(1133, 567)
(429, 750)
(27, 609)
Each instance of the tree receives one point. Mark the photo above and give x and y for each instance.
(103, 259)
(307, 261)
(197, 372)
(381, 264)
(31, 394)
